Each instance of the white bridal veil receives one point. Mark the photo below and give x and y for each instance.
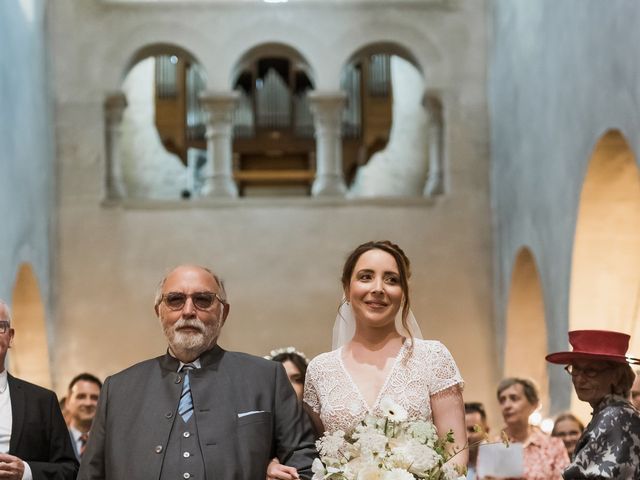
(345, 326)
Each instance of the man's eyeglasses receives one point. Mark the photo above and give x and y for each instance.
(201, 300)
(4, 326)
(585, 372)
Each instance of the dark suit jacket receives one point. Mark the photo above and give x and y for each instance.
(137, 408)
(39, 435)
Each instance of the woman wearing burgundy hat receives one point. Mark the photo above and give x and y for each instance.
(601, 375)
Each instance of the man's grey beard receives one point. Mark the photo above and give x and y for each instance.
(189, 346)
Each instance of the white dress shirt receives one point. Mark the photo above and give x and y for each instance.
(6, 417)
(75, 436)
(6, 422)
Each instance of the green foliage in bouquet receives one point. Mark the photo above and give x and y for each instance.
(387, 448)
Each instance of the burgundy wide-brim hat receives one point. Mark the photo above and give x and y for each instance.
(595, 345)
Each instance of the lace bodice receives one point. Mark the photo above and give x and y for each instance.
(416, 375)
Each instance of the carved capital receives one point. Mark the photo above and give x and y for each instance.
(327, 107)
(219, 106)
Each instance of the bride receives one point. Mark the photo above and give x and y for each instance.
(378, 354)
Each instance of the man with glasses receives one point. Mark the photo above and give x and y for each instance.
(198, 411)
(34, 440)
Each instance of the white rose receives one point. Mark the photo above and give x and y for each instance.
(397, 474)
(371, 443)
(415, 456)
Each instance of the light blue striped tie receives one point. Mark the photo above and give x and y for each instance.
(185, 407)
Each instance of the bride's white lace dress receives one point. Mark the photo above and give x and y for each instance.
(416, 375)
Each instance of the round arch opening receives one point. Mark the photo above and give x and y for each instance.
(605, 276)
(273, 124)
(526, 330)
(161, 140)
(384, 126)
(29, 355)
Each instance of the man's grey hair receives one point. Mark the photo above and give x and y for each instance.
(222, 293)
(5, 311)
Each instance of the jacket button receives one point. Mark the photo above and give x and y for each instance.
(168, 414)
(186, 475)
(158, 448)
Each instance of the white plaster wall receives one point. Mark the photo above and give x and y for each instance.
(562, 73)
(26, 149)
(400, 169)
(148, 169)
(281, 258)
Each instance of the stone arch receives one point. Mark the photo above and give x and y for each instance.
(125, 51)
(299, 41)
(158, 49)
(526, 330)
(387, 47)
(605, 275)
(425, 54)
(29, 355)
(270, 49)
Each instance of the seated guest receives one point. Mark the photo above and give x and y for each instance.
(295, 364)
(601, 375)
(544, 457)
(82, 400)
(477, 429)
(34, 440)
(635, 391)
(568, 428)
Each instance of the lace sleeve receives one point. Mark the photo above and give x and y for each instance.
(445, 373)
(310, 395)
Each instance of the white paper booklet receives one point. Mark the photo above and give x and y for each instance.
(498, 460)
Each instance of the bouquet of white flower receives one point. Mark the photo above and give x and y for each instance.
(386, 448)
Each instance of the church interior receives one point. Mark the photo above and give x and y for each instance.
(495, 141)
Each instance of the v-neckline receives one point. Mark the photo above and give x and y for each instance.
(354, 385)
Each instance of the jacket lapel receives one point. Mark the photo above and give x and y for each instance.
(17, 412)
(215, 413)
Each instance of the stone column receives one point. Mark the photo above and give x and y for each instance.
(435, 136)
(219, 107)
(114, 106)
(327, 113)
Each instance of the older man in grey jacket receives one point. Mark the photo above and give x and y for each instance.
(198, 411)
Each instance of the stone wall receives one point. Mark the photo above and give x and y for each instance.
(281, 258)
(27, 156)
(561, 75)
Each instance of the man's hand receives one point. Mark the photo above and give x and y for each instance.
(277, 471)
(11, 467)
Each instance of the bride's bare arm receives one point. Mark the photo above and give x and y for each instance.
(447, 407)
